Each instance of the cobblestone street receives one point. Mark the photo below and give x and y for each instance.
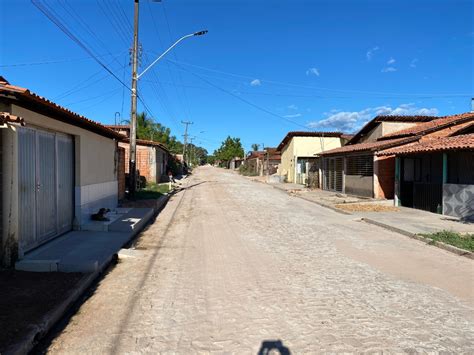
(231, 263)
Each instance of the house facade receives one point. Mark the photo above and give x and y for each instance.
(437, 174)
(57, 169)
(300, 149)
(151, 157)
(358, 169)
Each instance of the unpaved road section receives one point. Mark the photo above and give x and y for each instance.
(230, 264)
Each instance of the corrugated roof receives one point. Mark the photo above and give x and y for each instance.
(292, 134)
(462, 142)
(369, 146)
(25, 98)
(431, 126)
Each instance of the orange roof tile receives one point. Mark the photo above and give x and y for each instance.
(431, 126)
(7, 117)
(462, 142)
(30, 100)
(370, 146)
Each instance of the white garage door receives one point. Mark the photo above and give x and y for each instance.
(46, 186)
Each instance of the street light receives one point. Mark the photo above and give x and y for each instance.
(135, 77)
(200, 33)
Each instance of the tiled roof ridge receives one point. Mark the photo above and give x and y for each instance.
(434, 125)
(43, 100)
(433, 144)
(370, 146)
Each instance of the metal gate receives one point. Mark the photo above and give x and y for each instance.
(46, 183)
(333, 174)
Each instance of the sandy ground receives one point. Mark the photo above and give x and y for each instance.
(231, 263)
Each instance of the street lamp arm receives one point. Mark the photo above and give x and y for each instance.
(200, 33)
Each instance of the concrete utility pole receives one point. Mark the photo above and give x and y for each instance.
(191, 150)
(185, 135)
(133, 121)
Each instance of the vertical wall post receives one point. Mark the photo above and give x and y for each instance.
(445, 179)
(397, 181)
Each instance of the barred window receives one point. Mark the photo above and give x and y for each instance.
(360, 165)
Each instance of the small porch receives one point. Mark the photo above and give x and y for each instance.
(439, 182)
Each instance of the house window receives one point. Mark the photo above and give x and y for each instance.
(361, 165)
(461, 168)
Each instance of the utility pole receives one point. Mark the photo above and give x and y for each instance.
(191, 149)
(133, 121)
(186, 123)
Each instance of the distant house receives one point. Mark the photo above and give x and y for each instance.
(358, 169)
(254, 162)
(263, 162)
(235, 163)
(300, 149)
(152, 157)
(436, 174)
(57, 168)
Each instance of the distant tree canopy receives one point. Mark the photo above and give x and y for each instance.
(148, 129)
(229, 149)
(255, 147)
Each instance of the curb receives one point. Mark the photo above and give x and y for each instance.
(335, 209)
(40, 330)
(441, 245)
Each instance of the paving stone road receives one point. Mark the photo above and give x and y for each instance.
(231, 263)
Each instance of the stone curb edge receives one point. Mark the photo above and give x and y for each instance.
(335, 209)
(38, 331)
(447, 247)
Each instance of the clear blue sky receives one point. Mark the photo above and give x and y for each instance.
(264, 68)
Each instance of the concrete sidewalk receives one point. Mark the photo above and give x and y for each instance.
(86, 251)
(413, 221)
(408, 221)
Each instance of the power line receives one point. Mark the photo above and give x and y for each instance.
(244, 100)
(321, 88)
(76, 40)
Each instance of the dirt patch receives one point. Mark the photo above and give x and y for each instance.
(26, 297)
(358, 207)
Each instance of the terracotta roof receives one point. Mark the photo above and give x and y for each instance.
(145, 142)
(27, 99)
(462, 142)
(7, 117)
(431, 126)
(369, 126)
(463, 130)
(369, 146)
(118, 126)
(292, 134)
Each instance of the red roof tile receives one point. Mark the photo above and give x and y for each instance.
(462, 142)
(369, 146)
(7, 117)
(25, 98)
(431, 126)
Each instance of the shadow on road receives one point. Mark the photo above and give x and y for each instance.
(270, 346)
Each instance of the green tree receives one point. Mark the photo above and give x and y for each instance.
(148, 129)
(255, 147)
(229, 149)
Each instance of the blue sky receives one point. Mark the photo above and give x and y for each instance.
(264, 68)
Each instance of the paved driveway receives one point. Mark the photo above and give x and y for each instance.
(230, 264)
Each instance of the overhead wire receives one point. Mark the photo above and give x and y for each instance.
(244, 100)
(427, 95)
